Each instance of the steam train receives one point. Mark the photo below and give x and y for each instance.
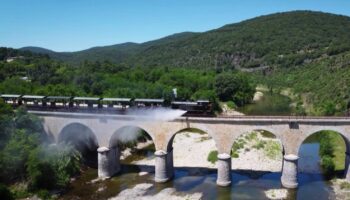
(200, 108)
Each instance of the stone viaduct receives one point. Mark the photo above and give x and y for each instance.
(291, 131)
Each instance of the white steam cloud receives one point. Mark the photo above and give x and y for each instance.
(157, 114)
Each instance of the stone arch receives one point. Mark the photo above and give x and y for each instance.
(314, 130)
(339, 131)
(169, 143)
(267, 129)
(83, 138)
(130, 131)
(252, 147)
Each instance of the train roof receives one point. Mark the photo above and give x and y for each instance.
(150, 100)
(184, 103)
(203, 101)
(87, 98)
(117, 99)
(11, 95)
(33, 97)
(59, 97)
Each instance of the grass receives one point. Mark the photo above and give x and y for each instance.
(345, 185)
(273, 150)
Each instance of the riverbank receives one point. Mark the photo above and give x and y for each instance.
(341, 189)
(141, 191)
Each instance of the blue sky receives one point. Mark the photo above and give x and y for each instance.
(71, 25)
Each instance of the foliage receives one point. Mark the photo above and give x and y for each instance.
(327, 165)
(345, 185)
(326, 147)
(306, 51)
(52, 166)
(273, 150)
(282, 39)
(231, 105)
(27, 156)
(235, 87)
(327, 153)
(26, 134)
(213, 156)
(320, 87)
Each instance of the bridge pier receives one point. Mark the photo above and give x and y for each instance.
(108, 162)
(161, 166)
(224, 170)
(347, 166)
(290, 171)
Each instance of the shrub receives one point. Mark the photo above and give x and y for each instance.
(213, 156)
(52, 166)
(259, 145)
(273, 150)
(328, 166)
(234, 154)
(41, 173)
(44, 194)
(326, 147)
(231, 105)
(345, 185)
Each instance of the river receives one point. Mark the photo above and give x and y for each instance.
(190, 180)
(269, 104)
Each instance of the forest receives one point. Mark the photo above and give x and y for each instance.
(38, 74)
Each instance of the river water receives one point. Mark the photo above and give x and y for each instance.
(269, 104)
(245, 185)
(192, 180)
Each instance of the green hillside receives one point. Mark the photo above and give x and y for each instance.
(282, 39)
(304, 52)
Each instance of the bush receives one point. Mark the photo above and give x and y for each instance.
(5, 193)
(41, 174)
(44, 194)
(231, 105)
(213, 156)
(259, 145)
(345, 185)
(326, 147)
(328, 166)
(234, 86)
(52, 166)
(234, 154)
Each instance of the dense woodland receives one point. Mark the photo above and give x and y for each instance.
(45, 76)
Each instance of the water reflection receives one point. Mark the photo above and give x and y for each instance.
(269, 104)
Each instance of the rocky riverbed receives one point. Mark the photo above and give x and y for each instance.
(192, 150)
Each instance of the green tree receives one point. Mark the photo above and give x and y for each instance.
(234, 86)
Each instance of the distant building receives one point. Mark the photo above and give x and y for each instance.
(25, 78)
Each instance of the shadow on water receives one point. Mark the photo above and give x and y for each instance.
(245, 184)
